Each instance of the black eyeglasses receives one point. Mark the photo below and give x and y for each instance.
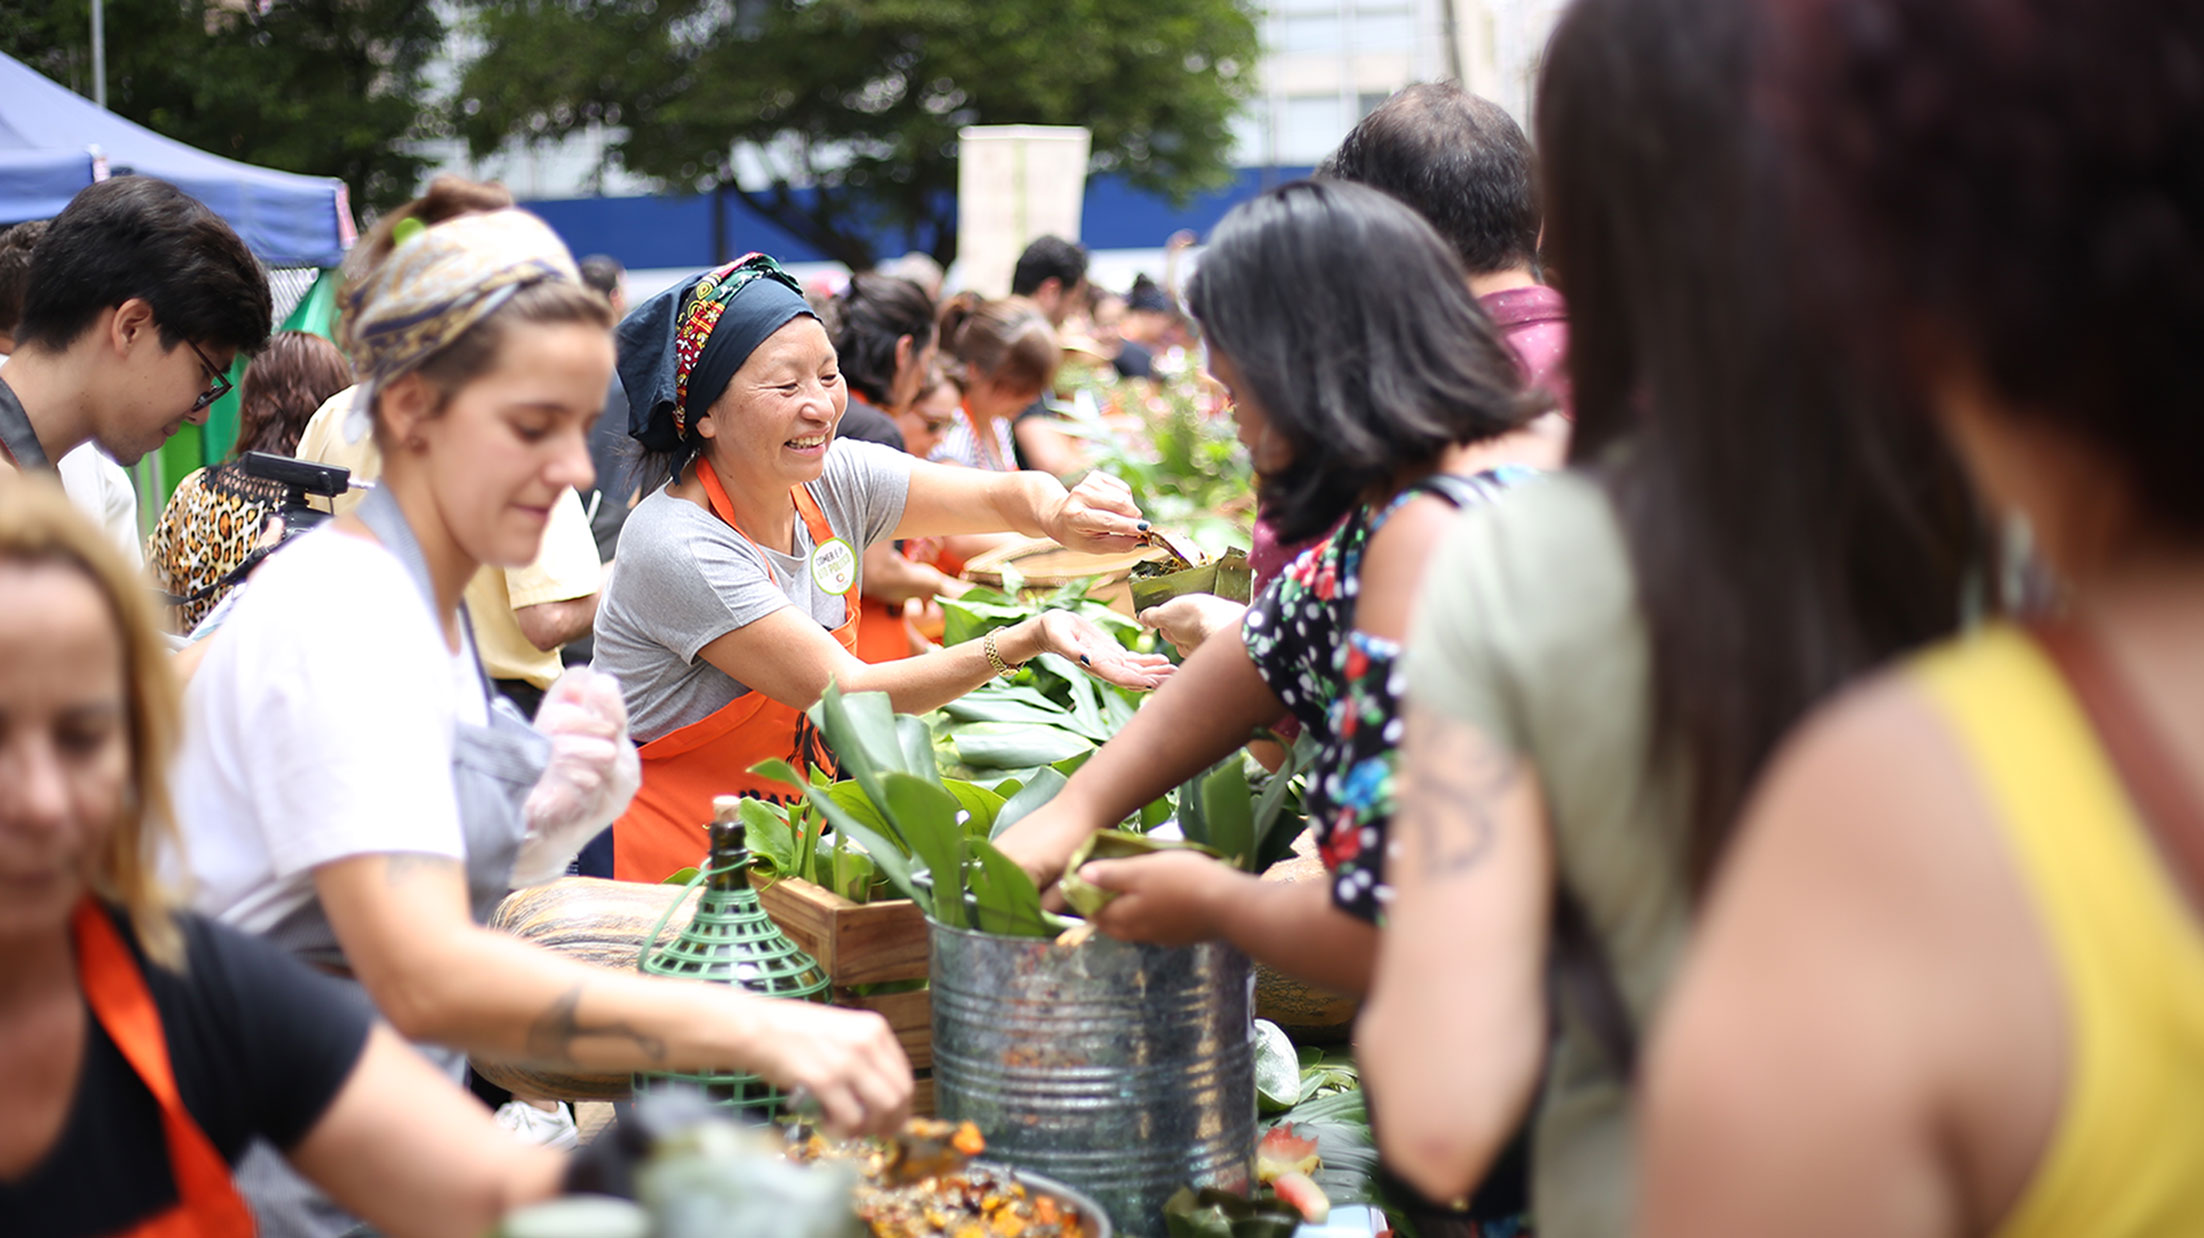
(221, 385)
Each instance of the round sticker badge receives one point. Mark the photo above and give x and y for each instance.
(834, 566)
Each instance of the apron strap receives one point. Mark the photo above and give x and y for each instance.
(807, 507)
(18, 442)
(207, 1200)
(379, 511)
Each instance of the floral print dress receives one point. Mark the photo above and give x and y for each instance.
(1346, 687)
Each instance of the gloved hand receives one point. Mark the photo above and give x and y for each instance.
(593, 773)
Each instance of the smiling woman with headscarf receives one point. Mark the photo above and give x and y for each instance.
(735, 600)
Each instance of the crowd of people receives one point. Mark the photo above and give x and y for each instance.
(1735, 561)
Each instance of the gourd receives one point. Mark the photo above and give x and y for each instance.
(594, 921)
(1308, 1014)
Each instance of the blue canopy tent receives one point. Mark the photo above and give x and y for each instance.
(54, 142)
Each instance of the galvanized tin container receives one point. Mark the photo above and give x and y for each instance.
(1126, 1071)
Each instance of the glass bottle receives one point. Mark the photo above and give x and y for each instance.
(731, 940)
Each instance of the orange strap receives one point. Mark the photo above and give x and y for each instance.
(662, 831)
(208, 1205)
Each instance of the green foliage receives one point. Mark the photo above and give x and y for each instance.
(325, 87)
(860, 101)
(1173, 445)
(1219, 807)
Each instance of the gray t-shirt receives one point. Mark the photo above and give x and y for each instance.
(684, 579)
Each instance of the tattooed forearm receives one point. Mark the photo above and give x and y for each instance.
(1455, 781)
(551, 1037)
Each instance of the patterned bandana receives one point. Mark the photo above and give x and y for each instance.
(709, 300)
(437, 283)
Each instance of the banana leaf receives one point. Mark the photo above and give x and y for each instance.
(928, 817)
(916, 743)
(886, 855)
(1038, 790)
(860, 728)
(999, 745)
(1228, 808)
(1004, 897)
(979, 805)
(771, 839)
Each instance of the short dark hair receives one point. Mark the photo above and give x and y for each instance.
(134, 236)
(16, 244)
(1461, 161)
(1351, 323)
(1047, 258)
(866, 319)
(2019, 187)
(602, 272)
(292, 377)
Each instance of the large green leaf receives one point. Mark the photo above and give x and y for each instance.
(1039, 790)
(1229, 808)
(885, 854)
(859, 803)
(927, 815)
(1005, 897)
(772, 841)
(916, 743)
(860, 728)
(979, 804)
(1001, 745)
(1275, 827)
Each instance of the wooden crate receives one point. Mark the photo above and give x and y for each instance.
(864, 944)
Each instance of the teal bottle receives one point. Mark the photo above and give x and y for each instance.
(732, 941)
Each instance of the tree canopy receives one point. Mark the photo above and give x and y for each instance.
(325, 87)
(838, 119)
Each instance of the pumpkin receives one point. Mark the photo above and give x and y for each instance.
(594, 921)
(1312, 1016)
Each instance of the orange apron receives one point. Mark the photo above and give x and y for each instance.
(207, 1202)
(884, 635)
(662, 831)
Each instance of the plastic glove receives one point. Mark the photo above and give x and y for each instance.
(593, 773)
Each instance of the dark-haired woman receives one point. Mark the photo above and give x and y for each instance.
(212, 522)
(883, 332)
(735, 601)
(1606, 660)
(1301, 353)
(1952, 981)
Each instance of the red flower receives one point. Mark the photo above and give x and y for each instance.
(1358, 662)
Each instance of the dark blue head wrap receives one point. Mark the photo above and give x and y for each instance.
(680, 349)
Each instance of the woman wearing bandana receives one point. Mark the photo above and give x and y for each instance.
(351, 790)
(735, 602)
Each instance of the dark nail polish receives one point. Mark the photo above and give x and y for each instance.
(1084, 661)
(1144, 526)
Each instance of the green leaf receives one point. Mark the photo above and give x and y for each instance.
(1042, 788)
(1229, 807)
(770, 837)
(681, 876)
(917, 745)
(860, 728)
(928, 817)
(1007, 746)
(1155, 812)
(1275, 828)
(885, 854)
(1006, 898)
(853, 797)
(979, 804)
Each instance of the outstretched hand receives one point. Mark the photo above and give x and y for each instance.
(1099, 654)
(1099, 516)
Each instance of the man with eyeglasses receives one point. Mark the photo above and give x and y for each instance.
(139, 299)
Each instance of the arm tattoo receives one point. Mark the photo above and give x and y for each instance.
(400, 867)
(551, 1037)
(1456, 783)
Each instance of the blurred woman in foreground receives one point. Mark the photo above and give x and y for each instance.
(1953, 981)
(142, 1047)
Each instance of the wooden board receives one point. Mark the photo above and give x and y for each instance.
(1044, 564)
(857, 943)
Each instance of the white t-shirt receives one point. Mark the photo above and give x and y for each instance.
(102, 490)
(319, 727)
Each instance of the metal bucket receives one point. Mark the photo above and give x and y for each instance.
(1126, 1071)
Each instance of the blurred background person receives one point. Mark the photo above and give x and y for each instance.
(1052, 274)
(213, 521)
(1952, 981)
